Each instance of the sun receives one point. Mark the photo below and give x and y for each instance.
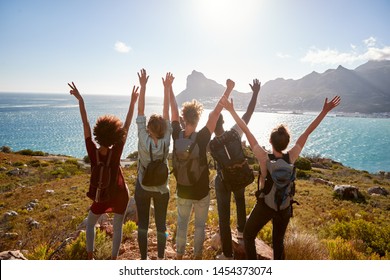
(225, 15)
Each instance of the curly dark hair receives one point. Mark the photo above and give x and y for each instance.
(108, 130)
(280, 137)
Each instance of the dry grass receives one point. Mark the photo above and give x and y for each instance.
(308, 235)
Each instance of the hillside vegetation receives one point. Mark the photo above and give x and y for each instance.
(43, 202)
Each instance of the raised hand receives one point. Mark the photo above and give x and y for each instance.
(226, 104)
(230, 84)
(134, 95)
(256, 86)
(168, 80)
(143, 78)
(74, 91)
(332, 104)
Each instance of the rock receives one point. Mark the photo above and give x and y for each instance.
(347, 191)
(14, 172)
(50, 191)
(170, 253)
(32, 223)
(11, 235)
(238, 247)
(12, 255)
(378, 190)
(10, 214)
(215, 242)
(264, 252)
(131, 211)
(31, 205)
(65, 205)
(3, 168)
(323, 182)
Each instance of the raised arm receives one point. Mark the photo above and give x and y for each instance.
(252, 104)
(251, 138)
(174, 109)
(214, 115)
(296, 150)
(143, 79)
(134, 97)
(167, 88)
(86, 127)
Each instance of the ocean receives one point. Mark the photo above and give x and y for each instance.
(52, 123)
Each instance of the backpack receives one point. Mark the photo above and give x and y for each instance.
(279, 188)
(187, 166)
(235, 171)
(156, 173)
(101, 189)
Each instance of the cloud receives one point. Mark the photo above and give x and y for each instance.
(282, 55)
(334, 57)
(370, 42)
(122, 47)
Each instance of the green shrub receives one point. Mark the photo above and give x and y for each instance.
(375, 237)
(28, 152)
(133, 155)
(6, 149)
(86, 159)
(265, 233)
(340, 249)
(128, 228)
(302, 174)
(77, 250)
(40, 252)
(72, 161)
(303, 164)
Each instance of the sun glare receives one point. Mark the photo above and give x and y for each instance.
(224, 15)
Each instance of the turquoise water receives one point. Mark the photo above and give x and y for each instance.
(52, 123)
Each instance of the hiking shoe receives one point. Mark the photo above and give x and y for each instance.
(240, 235)
(221, 257)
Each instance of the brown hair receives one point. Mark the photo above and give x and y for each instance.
(157, 125)
(108, 130)
(191, 112)
(280, 137)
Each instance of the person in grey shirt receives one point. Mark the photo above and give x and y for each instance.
(153, 137)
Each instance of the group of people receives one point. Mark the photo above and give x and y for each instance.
(154, 137)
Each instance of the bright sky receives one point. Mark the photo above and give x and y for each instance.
(102, 44)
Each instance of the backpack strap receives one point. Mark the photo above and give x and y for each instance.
(150, 151)
(108, 157)
(151, 154)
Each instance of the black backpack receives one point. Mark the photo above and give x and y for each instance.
(235, 171)
(156, 173)
(102, 185)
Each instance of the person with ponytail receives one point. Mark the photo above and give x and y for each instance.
(261, 214)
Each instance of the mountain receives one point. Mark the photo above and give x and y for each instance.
(365, 89)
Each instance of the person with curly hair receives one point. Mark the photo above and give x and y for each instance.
(196, 196)
(110, 137)
(153, 143)
(262, 213)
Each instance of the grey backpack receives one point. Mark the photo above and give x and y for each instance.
(279, 188)
(186, 162)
